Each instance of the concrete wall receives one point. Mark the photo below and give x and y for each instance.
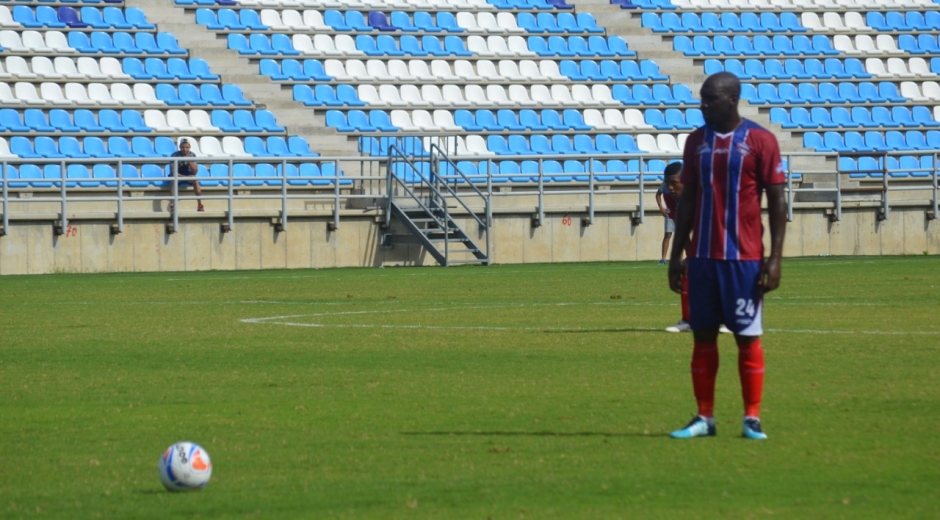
(88, 246)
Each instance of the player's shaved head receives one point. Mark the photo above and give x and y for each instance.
(724, 82)
(672, 169)
(720, 95)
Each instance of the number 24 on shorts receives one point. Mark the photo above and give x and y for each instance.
(745, 307)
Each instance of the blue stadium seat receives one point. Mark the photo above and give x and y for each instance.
(133, 120)
(111, 121)
(841, 116)
(356, 21)
(10, 120)
(167, 42)
(821, 118)
(548, 23)
(380, 120)
(605, 143)
(337, 120)
(387, 46)
(540, 145)
(923, 117)
(256, 147)
(249, 18)
(424, 22)
(591, 70)
(507, 119)
(379, 22)
(518, 145)
(244, 121)
(402, 21)
(222, 119)
(146, 42)
(314, 69)
(465, 119)
(447, 23)
(432, 45)
(26, 17)
(572, 118)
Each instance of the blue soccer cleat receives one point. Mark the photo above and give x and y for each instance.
(698, 427)
(752, 429)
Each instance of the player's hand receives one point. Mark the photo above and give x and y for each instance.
(770, 276)
(664, 211)
(676, 269)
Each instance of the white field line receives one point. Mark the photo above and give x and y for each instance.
(288, 321)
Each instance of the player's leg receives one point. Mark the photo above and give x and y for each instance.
(669, 227)
(683, 324)
(751, 371)
(198, 190)
(705, 316)
(743, 305)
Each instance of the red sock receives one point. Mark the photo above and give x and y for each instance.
(704, 372)
(684, 297)
(751, 370)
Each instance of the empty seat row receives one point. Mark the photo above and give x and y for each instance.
(44, 147)
(122, 94)
(154, 175)
(85, 67)
(872, 141)
(529, 120)
(726, 22)
(903, 21)
(919, 44)
(899, 167)
(108, 120)
(537, 95)
(823, 93)
(864, 44)
(858, 117)
(799, 4)
(760, 45)
(56, 42)
(493, 95)
(790, 68)
(428, 45)
(463, 70)
(425, 5)
(66, 16)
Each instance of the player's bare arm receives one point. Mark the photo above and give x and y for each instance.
(777, 213)
(680, 239)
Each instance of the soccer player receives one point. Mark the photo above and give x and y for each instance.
(728, 164)
(666, 200)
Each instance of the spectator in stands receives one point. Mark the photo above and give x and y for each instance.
(186, 169)
(666, 197)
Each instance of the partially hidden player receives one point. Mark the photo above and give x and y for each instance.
(666, 197)
(728, 164)
(672, 190)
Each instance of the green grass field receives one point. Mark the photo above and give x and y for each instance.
(540, 391)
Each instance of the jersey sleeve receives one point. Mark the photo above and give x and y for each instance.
(770, 166)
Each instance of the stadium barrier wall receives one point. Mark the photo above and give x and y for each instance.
(144, 245)
(338, 223)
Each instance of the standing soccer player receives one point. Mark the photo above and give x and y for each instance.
(728, 164)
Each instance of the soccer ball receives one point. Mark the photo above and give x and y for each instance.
(184, 466)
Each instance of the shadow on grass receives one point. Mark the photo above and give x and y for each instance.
(536, 434)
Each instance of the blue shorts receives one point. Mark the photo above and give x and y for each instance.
(726, 291)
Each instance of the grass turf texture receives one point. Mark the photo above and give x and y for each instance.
(542, 391)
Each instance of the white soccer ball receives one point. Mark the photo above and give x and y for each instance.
(184, 466)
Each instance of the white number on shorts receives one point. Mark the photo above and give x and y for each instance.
(745, 307)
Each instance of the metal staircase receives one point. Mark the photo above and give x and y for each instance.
(421, 197)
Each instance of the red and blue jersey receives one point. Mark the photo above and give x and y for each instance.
(731, 172)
